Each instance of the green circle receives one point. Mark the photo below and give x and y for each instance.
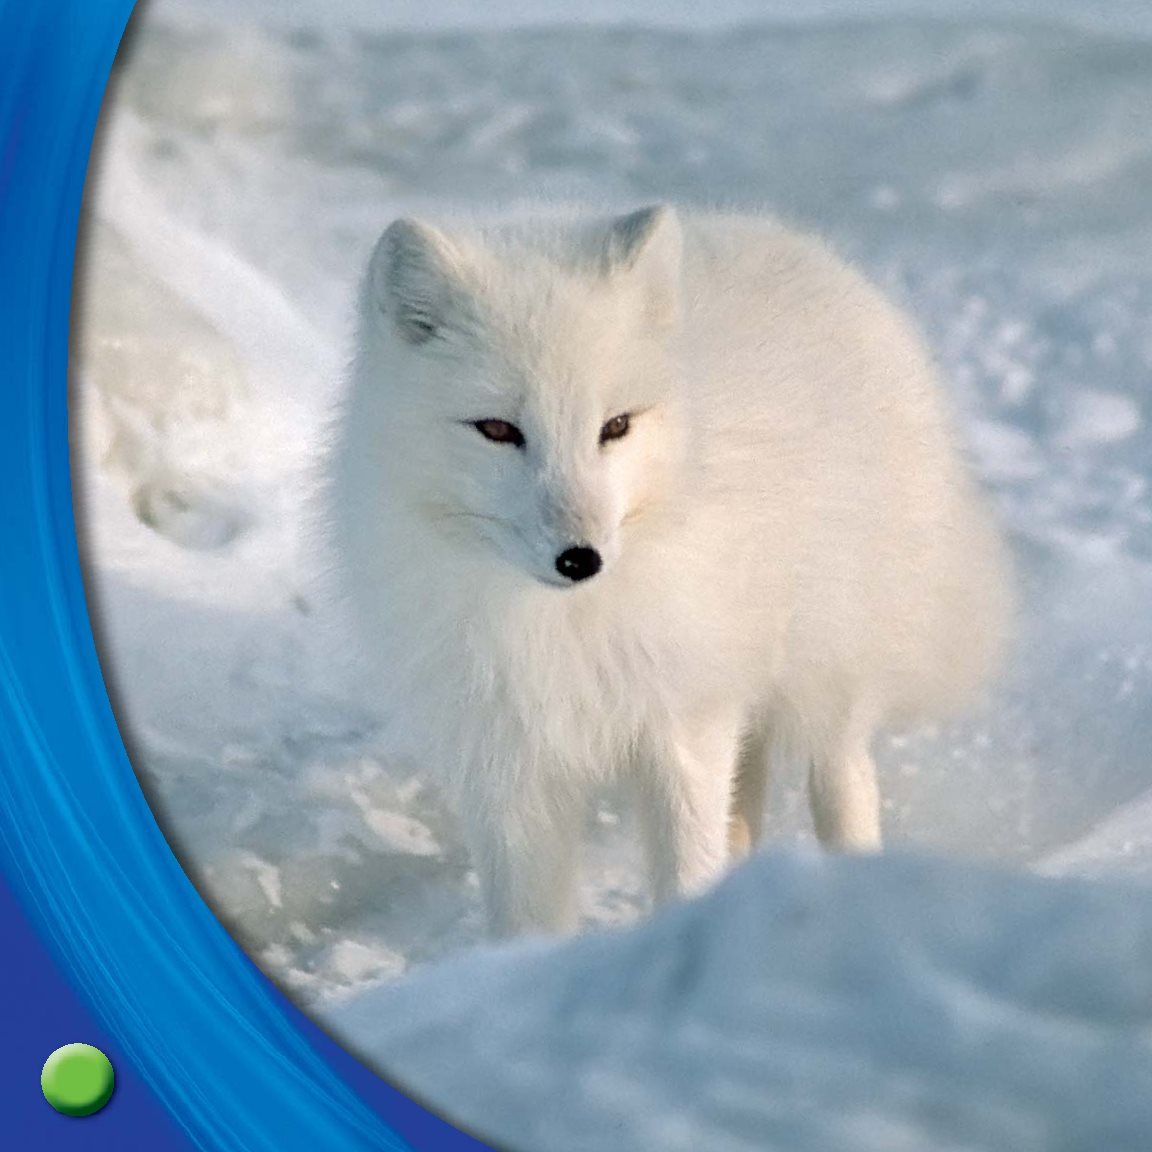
(77, 1080)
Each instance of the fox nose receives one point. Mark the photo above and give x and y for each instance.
(578, 563)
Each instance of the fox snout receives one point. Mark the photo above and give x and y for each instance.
(580, 524)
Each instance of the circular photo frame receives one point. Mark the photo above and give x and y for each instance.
(804, 1001)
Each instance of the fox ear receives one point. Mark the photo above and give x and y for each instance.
(647, 244)
(414, 276)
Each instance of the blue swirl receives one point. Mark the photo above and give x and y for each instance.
(234, 1063)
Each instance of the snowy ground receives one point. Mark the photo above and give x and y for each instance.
(996, 175)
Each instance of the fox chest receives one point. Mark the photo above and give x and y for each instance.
(563, 698)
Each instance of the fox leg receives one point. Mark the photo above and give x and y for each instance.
(753, 773)
(685, 804)
(526, 857)
(845, 798)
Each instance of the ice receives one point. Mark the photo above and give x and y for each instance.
(995, 174)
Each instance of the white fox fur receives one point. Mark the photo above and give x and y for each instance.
(792, 549)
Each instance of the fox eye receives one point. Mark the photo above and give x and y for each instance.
(500, 432)
(616, 428)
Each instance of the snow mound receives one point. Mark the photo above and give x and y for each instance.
(806, 1005)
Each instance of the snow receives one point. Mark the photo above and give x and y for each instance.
(1117, 16)
(885, 1006)
(995, 174)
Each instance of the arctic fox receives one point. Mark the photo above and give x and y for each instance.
(645, 497)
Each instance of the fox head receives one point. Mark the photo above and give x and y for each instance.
(527, 382)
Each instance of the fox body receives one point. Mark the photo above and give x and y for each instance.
(648, 497)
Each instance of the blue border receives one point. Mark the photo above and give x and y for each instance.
(103, 939)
